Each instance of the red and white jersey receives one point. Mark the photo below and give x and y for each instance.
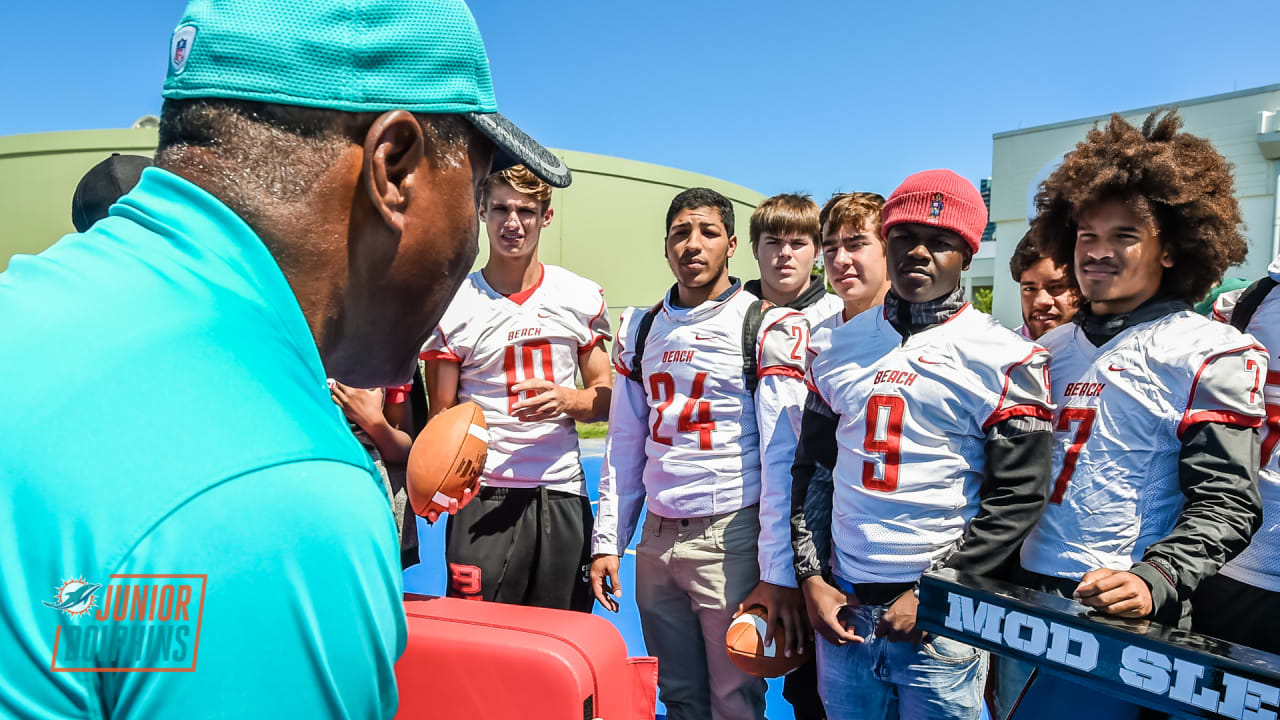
(912, 428)
(689, 436)
(499, 341)
(776, 557)
(1259, 564)
(1121, 411)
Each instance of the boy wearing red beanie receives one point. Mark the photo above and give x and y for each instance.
(936, 419)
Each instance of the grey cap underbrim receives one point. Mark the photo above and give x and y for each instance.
(514, 147)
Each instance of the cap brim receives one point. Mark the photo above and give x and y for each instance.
(514, 147)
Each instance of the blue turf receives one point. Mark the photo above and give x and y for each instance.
(428, 578)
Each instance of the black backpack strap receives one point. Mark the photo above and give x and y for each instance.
(642, 334)
(1249, 301)
(750, 333)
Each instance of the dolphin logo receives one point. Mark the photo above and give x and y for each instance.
(74, 597)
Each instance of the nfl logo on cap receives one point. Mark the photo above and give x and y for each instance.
(181, 47)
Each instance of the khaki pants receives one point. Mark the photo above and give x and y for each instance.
(690, 576)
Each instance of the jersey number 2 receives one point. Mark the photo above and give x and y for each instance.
(663, 385)
(884, 436)
(531, 369)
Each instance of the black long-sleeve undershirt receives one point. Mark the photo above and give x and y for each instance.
(1218, 475)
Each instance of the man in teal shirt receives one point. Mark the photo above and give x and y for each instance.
(310, 214)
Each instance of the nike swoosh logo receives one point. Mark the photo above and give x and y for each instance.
(543, 315)
(696, 336)
(1113, 368)
(930, 362)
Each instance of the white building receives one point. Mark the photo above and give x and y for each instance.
(1244, 126)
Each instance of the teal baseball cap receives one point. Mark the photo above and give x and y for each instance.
(424, 56)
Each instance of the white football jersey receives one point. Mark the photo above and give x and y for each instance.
(498, 342)
(776, 557)
(1259, 564)
(1121, 411)
(691, 445)
(912, 429)
(829, 306)
(820, 335)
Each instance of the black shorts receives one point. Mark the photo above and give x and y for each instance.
(1237, 612)
(524, 546)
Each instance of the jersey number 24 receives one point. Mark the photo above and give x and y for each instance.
(695, 415)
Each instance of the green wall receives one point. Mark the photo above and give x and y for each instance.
(38, 173)
(608, 225)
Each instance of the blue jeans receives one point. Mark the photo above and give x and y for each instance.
(882, 680)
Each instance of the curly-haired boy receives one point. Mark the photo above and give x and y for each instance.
(1157, 407)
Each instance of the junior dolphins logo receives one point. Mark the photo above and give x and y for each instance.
(131, 623)
(74, 597)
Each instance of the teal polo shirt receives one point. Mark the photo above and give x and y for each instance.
(164, 410)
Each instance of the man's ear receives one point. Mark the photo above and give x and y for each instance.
(393, 151)
(733, 245)
(546, 216)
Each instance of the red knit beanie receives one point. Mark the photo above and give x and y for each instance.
(938, 197)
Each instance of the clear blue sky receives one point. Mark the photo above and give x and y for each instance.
(776, 96)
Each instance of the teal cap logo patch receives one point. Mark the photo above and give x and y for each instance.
(180, 48)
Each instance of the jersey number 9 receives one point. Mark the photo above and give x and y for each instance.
(884, 437)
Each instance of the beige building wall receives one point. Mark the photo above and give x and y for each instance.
(608, 225)
(1239, 124)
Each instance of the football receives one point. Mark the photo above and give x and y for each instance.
(745, 644)
(447, 458)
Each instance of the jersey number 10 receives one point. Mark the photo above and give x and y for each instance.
(531, 369)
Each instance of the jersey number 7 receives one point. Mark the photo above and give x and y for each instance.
(1084, 416)
(663, 385)
(1271, 430)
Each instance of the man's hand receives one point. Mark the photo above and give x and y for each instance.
(1115, 592)
(784, 608)
(899, 621)
(548, 401)
(362, 407)
(822, 603)
(604, 581)
(468, 494)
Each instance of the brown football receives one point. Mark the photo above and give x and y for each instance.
(745, 645)
(447, 458)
